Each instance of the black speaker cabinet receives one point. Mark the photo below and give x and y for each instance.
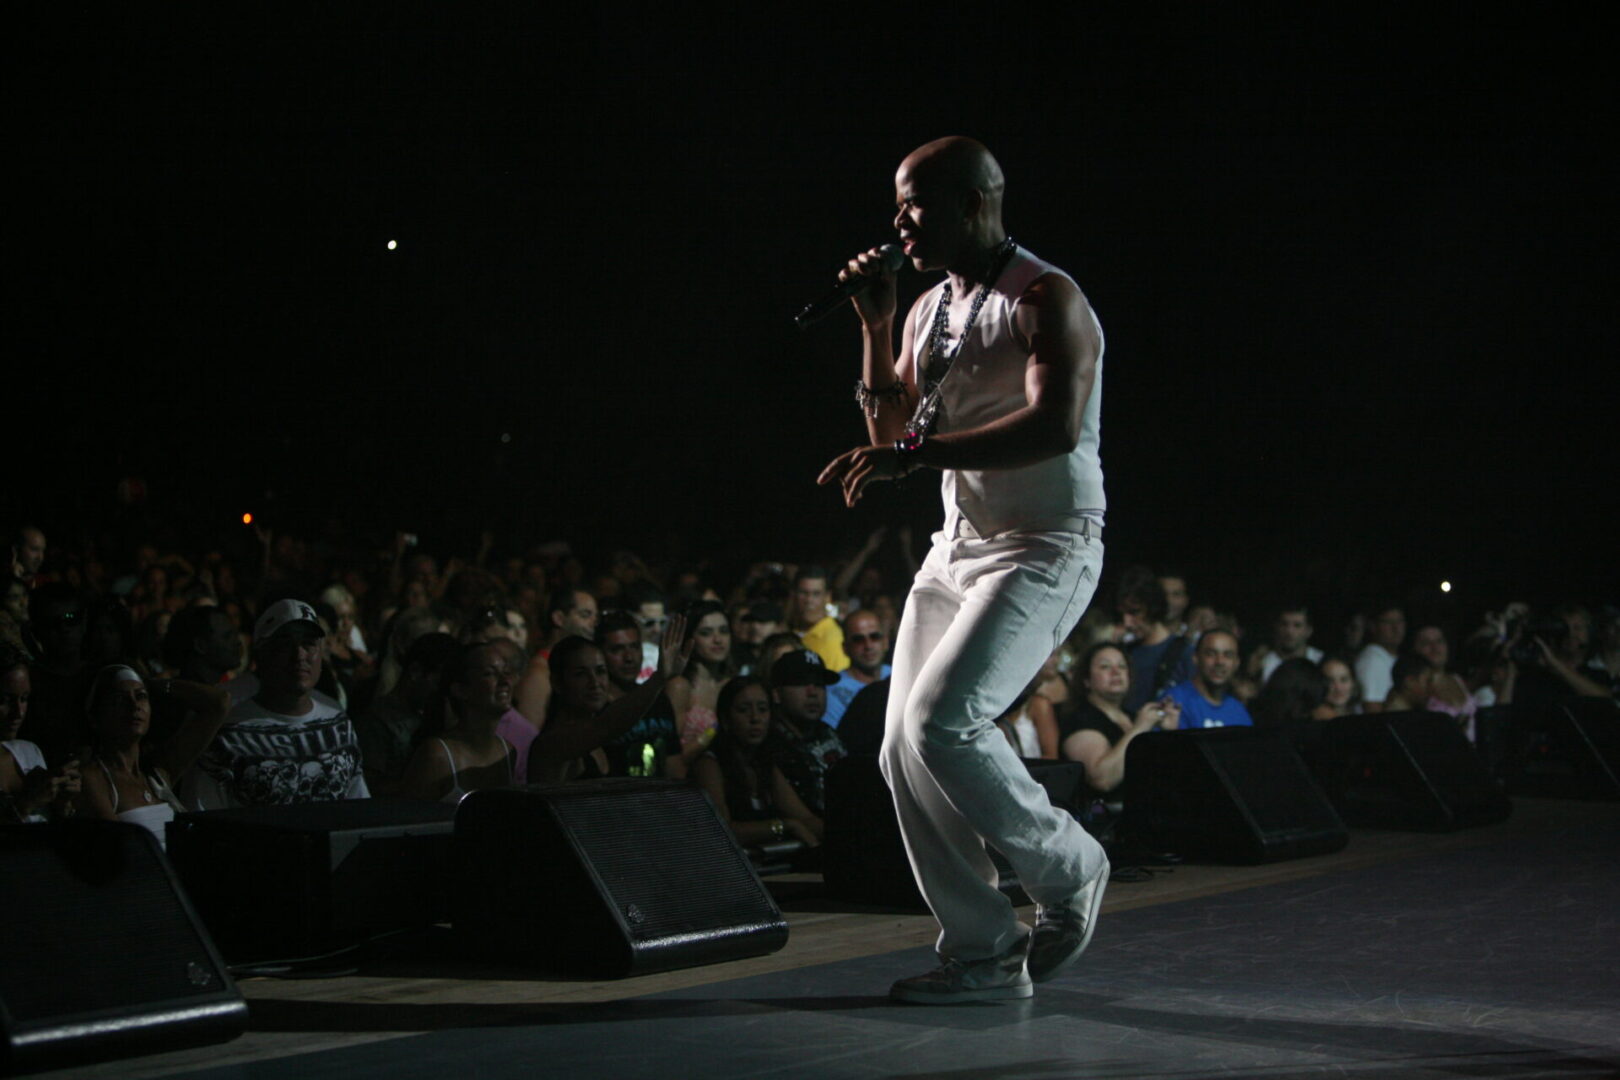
(284, 882)
(1405, 770)
(1569, 750)
(104, 956)
(608, 878)
(863, 856)
(1237, 794)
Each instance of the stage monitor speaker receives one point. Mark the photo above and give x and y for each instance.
(288, 882)
(1405, 770)
(608, 878)
(1569, 750)
(104, 956)
(863, 858)
(1237, 794)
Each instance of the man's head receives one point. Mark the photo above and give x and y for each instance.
(1412, 678)
(1388, 627)
(201, 643)
(761, 619)
(287, 647)
(1292, 630)
(619, 636)
(1174, 584)
(1142, 604)
(1578, 641)
(809, 596)
(573, 611)
(423, 668)
(1217, 661)
(28, 551)
(646, 604)
(866, 643)
(57, 613)
(947, 197)
(16, 599)
(799, 682)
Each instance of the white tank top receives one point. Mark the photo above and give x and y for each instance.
(985, 383)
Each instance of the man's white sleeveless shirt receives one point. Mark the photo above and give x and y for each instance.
(985, 383)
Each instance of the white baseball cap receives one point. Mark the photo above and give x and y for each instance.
(281, 614)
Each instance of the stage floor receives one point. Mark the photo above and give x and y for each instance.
(1487, 953)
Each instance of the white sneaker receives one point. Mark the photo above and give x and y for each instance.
(1063, 931)
(997, 978)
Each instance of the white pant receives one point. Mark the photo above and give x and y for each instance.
(982, 617)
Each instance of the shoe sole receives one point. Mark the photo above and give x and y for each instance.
(1085, 940)
(963, 997)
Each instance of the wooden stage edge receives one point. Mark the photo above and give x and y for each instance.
(819, 934)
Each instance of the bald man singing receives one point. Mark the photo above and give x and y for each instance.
(998, 386)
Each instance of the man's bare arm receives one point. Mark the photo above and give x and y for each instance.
(1056, 323)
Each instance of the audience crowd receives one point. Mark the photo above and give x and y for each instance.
(159, 679)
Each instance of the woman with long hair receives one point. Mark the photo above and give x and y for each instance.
(740, 773)
(696, 691)
(124, 781)
(582, 716)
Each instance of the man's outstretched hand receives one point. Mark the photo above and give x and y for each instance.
(860, 466)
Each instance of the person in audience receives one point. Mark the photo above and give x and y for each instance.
(1290, 638)
(388, 730)
(1487, 669)
(696, 690)
(1158, 657)
(1343, 695)
(570, 612)
(125, 780)
(1375, 663)
(652, 746)
(14, 629)
(56, 721)
(109, 634)
(1206, 699)
(1100, 731)
(285, 744)
(760, 619)
(583, 717)
(740, 772)
(773, 649)
(866, 645)
(643, 600)
(27, 553)
(1448, 693)
(29, 790)
(475, 687)
(808, 617)
(1030, 725)
(1052, 682)
(1411, 680)
(201, 646)
(1297, 691)
(799, 684)
(1176, 601)
(407, 625)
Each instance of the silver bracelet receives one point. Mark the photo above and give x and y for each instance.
(869, 399)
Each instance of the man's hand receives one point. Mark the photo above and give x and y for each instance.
(876, 304)
(860, 466)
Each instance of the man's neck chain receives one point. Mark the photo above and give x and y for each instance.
(940, 359)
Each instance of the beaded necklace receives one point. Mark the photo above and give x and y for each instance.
(941, 360)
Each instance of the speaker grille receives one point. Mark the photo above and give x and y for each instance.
(98, 925)
(653, 881)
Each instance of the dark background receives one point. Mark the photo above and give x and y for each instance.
(1353, 269)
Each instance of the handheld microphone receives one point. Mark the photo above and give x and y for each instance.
(894, 257)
